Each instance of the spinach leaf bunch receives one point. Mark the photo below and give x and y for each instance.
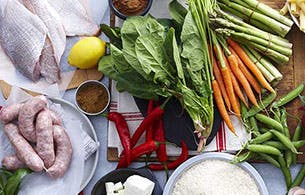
(166, 59)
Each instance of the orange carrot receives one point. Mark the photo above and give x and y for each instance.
(244, 57)
(242, 79)
(220, 82)
(236, 86)
(230, 90)
(252, 81)
(226, 75)
(221, 106)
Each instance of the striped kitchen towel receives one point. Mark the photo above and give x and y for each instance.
(124, 103)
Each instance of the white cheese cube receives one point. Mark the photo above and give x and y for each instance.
(120, 192)
(137, 185)
(109, 188)
(118, 186)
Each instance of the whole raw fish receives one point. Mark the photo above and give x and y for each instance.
(74, 17)
(22, 37)
(56, 38)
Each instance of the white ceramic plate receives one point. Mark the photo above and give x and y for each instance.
(91, 162)
(218, 156)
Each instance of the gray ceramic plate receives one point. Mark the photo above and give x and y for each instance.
(91, 162)
(218, 156)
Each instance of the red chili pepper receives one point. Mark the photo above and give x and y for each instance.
(159, 136)
(81, 193)
(138, 151)
(123, 131)
(155, 115)
(149, 131)
(172, 165)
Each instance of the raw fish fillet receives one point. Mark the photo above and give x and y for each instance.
(22, 36)
(74, 17)
(56, 38)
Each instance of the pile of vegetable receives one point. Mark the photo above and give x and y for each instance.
(202, 55)
(152, 126)
(271, 140)
(10, 181)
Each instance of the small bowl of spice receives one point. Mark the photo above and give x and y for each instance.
(92, 97)
(125, 8)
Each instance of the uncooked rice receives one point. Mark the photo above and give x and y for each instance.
(215, 177)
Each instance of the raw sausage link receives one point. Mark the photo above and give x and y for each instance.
(12, 163)
(63, 152)
(24, 150)
(27, 116)
(10, 113)
(44, 138)
(55, 118)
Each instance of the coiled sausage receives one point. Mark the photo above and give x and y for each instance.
(10, 113)
(63, 152)
(12, 163)
(44, 138)
(27, 116)
(24, 150)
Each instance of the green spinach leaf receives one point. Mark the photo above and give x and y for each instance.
(152, 56)
(178, 13)
(133, 28)
(172, 51)
(118, 60)
(114, 34)
(105, 65)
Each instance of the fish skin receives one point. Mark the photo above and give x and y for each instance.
(75, 18)
(22, 37)
(56, 38)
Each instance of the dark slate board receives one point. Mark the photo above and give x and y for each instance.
(179, 126)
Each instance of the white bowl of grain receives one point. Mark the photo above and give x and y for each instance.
(212, 173)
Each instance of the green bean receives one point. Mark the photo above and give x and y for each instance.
(298, 144)
(269, 122)
(263, 130)
(288, 158)
(254, 126)
(299, 178)
(284, 123)
(280, 146)
(275, 144)
(243, 157)
(262, 138)
(286, 172)
(261, 106)
(296, 136)
(289, 97)
(243, 110)
(277, 115)
(285, 141)
(270, 159)
(297, 132)
(264, 149)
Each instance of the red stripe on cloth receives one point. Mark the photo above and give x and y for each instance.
(224, 137)
(132, 116)
(131, 113)
(220, 138)
(217, 141)
(135, 119)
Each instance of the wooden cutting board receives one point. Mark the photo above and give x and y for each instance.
(294, 74)
(78, 77)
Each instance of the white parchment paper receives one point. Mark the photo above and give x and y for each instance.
(40, 183)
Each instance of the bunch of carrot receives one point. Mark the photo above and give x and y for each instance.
(236, 77)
